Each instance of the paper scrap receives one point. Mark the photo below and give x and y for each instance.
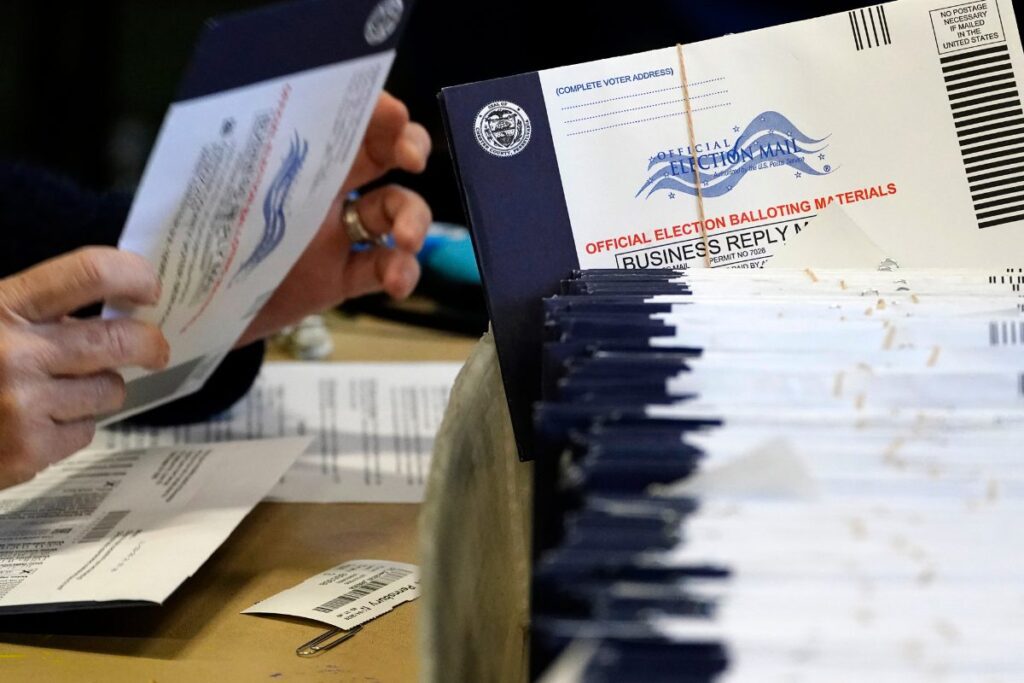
(347, 595)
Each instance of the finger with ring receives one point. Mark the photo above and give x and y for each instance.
(355, 229)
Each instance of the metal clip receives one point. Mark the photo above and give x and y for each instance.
(888, 265)
(324, 641)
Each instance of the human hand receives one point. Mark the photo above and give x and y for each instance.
(329, 271)
(57, 373)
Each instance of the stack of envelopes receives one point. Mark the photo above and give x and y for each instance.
(788, 475)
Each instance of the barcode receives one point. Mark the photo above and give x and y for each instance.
(1006, 333)
(363, 589)
(870, 27)
(989, 124)
(1013, 277)
(104, 526)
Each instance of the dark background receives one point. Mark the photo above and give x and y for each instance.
(84, 86)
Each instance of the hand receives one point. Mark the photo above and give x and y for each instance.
(328, 272)
(57, 373)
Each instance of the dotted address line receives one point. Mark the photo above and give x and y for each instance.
(646, 106)
(651, 118)
(641, 94)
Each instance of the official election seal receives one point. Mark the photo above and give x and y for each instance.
(383, 21)
(503, 128)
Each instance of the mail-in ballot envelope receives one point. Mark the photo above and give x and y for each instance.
(250, 156)
(905, 116)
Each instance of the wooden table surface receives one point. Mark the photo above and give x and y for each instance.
(199, 635)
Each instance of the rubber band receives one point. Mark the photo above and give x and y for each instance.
(693, 155)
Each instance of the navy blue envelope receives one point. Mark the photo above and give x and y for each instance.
(289, 37)
(520, 228)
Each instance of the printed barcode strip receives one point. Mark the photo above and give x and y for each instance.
(997, 202)
(885, 25)
(975, 131)
(974, 53)
(870, 27)
(977, 148)
(1001, 183)
(1004, 158)
(985, 141)
(981, 91)
(1016, 282)
(998, 97)
(980, 80)
(1013, 277)
(1008, 276)
(1003, 100)
(996, 159)
(1001, 191)
(996, 59)
(978, 73)
(988, 176)
(1006, 333)
(989, 121)
(363, 589)
(104, 526)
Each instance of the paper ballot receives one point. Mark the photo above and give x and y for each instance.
(372, 427)
(128, 527)
(249, 159)
(905, 115)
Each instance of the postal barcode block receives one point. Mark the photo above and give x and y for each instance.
(363, 589)
(104, 526)
(869, 27)
(989, 122)
(1013, 277)
(1006, 333)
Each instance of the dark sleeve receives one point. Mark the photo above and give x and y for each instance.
(42, 216)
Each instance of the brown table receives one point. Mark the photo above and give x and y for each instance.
(199, 635)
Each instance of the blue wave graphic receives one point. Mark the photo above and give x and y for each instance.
(770, 137)
(274, 222)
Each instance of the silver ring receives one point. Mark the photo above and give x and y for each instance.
(354, 228)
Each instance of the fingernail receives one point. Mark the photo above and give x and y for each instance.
(410, 154)
(417, 149)
(410, 276)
